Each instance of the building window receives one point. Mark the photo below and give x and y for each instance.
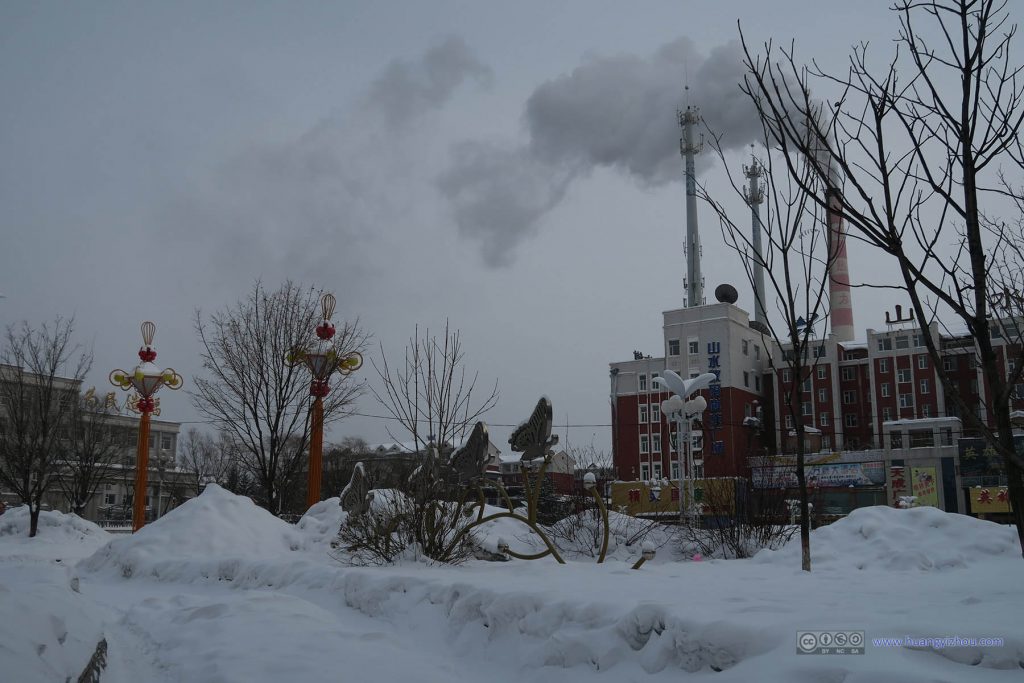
(673, 347)
(644, 444)
(657, 471)
(921, 438)
(884, 344)
(643, 414)
(895, 439)
(789, 422)
(972, 362)
(643, 382)
(675, 470)
(819, 352)
(883, 365)
(922, 362)
(786, 375)
(906, 400)
(698, 470)
(924, 386)
(902, 342)
(757, 383)
(806, 409)
(886, 414)
(165, 442)
(849, 397)
(918, 340)
(757, 352)
(696, 441)
(645, 471)
(823, 420)
(152, 441)
(885, 389)
(822, 372)
(693, 345)
(974, 385)
(807, 385)
(110, 499)
(822, 395)
(746, 347)
(947, 436)
(926, 410)
(847, 374)
(826, 442)
(656, 444)
(746, 379)
(850, 419)
(949, 363)
(903, 375)
(655, 413)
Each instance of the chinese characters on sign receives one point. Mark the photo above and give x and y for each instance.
(922, 481)
(715, 398)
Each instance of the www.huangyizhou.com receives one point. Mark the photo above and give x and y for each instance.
(938, 643)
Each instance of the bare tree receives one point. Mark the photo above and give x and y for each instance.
(430, 396)
(922, 143)
(39, 382)
(795, 257)
(255, 394)
(90, 452)
(206, 458)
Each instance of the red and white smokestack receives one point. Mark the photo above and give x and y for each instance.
(840, 302)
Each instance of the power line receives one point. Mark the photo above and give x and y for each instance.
(395, 419)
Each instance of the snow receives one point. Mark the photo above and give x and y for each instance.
(891, 539)
(219, 590)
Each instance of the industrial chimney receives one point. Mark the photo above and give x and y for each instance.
(840, 303)
(688, 118)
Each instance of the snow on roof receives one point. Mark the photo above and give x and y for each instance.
(922, 421)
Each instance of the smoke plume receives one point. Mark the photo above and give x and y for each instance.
(617, 112)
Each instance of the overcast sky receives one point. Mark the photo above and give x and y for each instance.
(512, 167)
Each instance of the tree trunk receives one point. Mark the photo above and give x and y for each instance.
(805, 522)
(33, 516)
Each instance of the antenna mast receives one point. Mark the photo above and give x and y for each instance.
(754, 195)
(688, 118)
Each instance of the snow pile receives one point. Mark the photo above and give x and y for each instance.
(886, 538)
(319, 526)
(212, 533)
(47, 631)
(58, 534)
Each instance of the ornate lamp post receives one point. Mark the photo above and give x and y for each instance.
(682, 408)
(146, 380)
(322, 362)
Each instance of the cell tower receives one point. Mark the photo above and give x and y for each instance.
(688, 118)
(754, 194)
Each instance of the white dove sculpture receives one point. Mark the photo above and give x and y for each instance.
(682, 388)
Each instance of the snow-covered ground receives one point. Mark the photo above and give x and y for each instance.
(219, 590)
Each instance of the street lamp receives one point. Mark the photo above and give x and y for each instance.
(680, 409)
(146, 380)
(322, 362)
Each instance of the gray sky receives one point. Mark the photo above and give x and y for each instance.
(510, 166)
